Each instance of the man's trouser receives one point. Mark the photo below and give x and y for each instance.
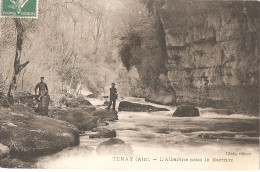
(114, 104)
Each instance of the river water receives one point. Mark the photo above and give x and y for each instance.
(160, 141)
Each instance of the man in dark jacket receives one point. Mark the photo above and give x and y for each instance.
(43, 88)
(113, 97)
(43, 97)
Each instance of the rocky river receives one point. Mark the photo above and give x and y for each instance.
(216, 140)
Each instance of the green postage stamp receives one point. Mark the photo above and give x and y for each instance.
(19, 8)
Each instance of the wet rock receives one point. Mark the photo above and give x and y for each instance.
(114, 147)
(92, 96)
(16, 163)
(4, 151)
(76, 102)
(104, 133)
(82, 101)
(106, 103)
(186, 111)
(72, 104)
(88, 108)
(27, 134)
(85, 102)
(80, 118)
(136, 107)
(105, 115)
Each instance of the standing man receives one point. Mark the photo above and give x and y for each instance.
(43, 98)
(113, 97)
(43, 89)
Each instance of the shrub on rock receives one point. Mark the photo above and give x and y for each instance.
(186, 111)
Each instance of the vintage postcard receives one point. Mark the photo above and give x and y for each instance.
(129, 84)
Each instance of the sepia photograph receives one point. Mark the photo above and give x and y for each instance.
(129, 84)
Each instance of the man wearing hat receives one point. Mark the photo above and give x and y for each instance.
(43, 88)
(43, 97)
(113, 97)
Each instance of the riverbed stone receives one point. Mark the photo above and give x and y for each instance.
(106, 103)
(105, 115)
(16, 163)
(78, 117)
(75, 102)
(4, 151)
(114, 147)
(136, 107)
(103, 133)
(186, 111)
(27, 134)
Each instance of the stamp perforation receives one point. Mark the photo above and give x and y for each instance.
(24, 17)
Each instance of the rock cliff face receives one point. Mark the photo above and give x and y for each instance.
(212, 52)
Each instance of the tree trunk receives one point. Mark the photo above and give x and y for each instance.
(17, 66)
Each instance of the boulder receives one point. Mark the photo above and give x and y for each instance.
(76, 102)
(186, 111)
(21, 108)
(92, 96)
(136, 107)
(82, 101)
(4, 151)
(80, 118)
(88, 108)
(85, 102)
(106, 103)
(72, 104)
(16, 163)
(4, 101)
(103, 133)
(105, 115)
(114, 147)
(28, 135)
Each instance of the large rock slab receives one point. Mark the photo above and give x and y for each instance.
(74, 102)
(16, 163)
(81, 118)
(136, 107)
(114, 147)
(28, 135)
(103, 133)
(105, 115)
(186, 111)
